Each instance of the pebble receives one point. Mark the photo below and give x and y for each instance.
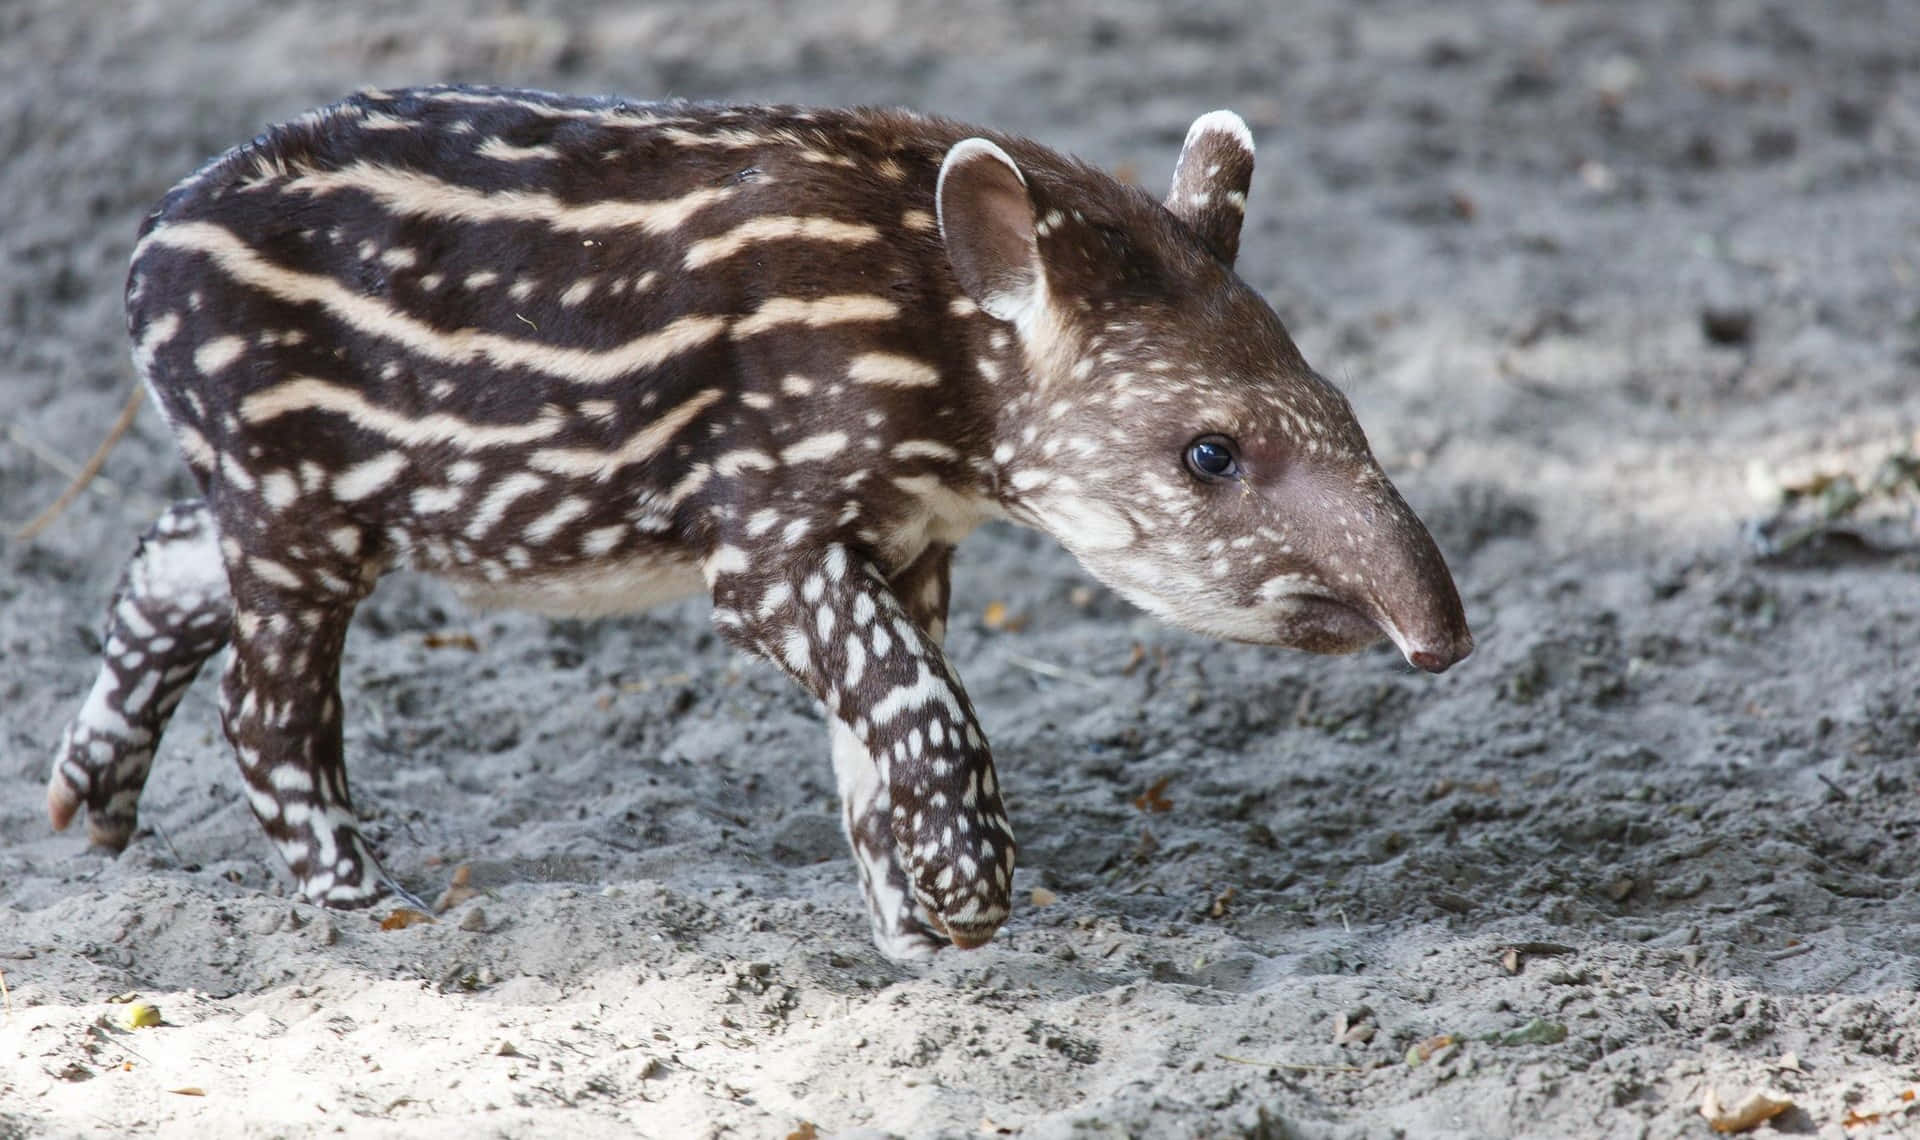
(1727, 326)
(474, 921)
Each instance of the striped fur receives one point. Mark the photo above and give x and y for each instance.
(582, 356)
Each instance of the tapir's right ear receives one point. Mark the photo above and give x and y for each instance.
(986, 222)
(1210, 181)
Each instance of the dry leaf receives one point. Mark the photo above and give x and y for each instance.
(1421, 1051)
(1220, 903)
(1154, 798)
(457, 892)
(1356, 1030)
(1757, 1107)
(190, 1090)
(1134, 660)
(1044, 897)
(806, 1131)
(998, 617)
(464, 641)
(1857, 1119)
(403, 917)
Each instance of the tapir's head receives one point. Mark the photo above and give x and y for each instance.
(1169, 433)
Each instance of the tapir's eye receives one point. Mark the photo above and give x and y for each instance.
(1213, 458)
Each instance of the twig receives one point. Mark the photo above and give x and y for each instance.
(1049, 669)
(87, 472)
(175, 851)
(5, 996)
(1790, 952)
(1289, 1065)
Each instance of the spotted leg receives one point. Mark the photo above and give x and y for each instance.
(280, 706)
(900, 928)
(170, 613)
(836, 625)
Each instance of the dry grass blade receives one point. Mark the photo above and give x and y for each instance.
(1290, 1066)
(88, 470)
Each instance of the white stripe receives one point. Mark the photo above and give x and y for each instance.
(708, 250)
(641, 447)
(891, 370)
(368, 315)
(819, 313)
(504, 151)
(414, 194)
(308, 394)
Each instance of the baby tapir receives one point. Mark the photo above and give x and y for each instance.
(583, 356)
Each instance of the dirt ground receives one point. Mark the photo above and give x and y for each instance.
(1597, 276)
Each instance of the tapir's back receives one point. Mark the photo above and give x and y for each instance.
(470, 314)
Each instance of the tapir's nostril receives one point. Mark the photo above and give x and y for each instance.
(1442, 659)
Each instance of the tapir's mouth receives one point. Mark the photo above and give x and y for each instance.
(1320, 624)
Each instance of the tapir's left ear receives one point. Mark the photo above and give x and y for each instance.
(987, 224)
(1210, 181)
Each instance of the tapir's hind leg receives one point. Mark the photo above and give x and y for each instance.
(280, 706)
(171, 612)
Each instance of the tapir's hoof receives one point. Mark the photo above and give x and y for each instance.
(63, 801)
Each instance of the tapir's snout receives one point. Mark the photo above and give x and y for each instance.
(1414, 599)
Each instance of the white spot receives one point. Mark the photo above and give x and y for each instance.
(364, 479)
(823, 446)
(279, 490)
(563, 512)
(923, 449)
(433, 500)
(213, 356)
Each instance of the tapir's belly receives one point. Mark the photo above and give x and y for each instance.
(623, 587)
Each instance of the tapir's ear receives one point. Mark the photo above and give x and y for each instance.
(1210, 181)
(986, 221)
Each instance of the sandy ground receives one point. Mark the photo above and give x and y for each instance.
(1682, 780)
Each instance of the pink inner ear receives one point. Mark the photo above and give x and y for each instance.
(986, 221)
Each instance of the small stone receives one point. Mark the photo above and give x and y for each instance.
(142, 1015)
(1727, 326)
(1539, 1031)
(474, 921)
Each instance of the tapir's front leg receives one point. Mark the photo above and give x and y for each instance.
(833, 622)
(901, 927)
